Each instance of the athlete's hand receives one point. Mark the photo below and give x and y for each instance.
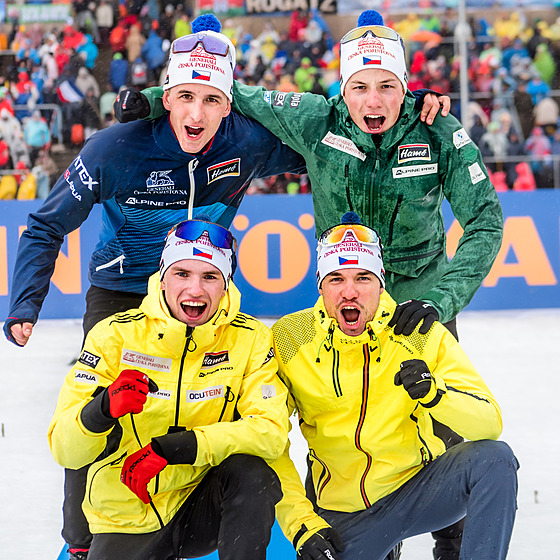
(408, 315)
(322, 545)
(415, 377)
(19, 333)
(130, 105)
(128, 393)
(431, 106)
(139, 468)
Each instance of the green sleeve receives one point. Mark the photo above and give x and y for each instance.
(477, 208)
(154, 96)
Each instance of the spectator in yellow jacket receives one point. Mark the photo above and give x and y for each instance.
(366, 400)
(178, 407)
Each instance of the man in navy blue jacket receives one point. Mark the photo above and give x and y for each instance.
(199, 157)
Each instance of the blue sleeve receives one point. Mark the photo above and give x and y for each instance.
(64, 210)
(281, 158)
(419, 94)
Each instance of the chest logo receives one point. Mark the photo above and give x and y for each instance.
(216, 392)
(231, 168)
(146, 361)
(212, 359)
(414, 170)
(413, 152)
(343, 144)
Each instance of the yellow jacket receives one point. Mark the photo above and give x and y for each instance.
(221, 383)
(366, 436)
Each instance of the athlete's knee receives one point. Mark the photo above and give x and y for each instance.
(252, 475)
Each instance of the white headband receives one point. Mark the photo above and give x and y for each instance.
(350, 253)
(200, 67)
(372, 52)
(177, 249)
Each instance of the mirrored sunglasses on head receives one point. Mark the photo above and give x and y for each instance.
(376, 30)
(211, 44)
(336, 234)
(219, 236)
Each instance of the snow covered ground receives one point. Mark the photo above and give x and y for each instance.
(517, 352)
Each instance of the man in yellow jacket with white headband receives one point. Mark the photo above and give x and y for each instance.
(366, 398)
(178, 406)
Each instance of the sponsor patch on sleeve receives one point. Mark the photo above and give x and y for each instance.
(89, 359)
(268, 391)
(461, 138)
(476, 172)
(86, 377)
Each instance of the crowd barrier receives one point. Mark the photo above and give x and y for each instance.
(276, 255)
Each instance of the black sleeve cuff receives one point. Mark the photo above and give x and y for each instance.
(95, 415)
(435, 400)
(179, 448)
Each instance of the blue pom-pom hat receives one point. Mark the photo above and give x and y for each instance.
(198, 66)
(369, 50)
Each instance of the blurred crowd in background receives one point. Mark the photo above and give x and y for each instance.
(59, 84)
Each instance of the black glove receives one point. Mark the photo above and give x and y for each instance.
(408, 315)
(130, 105)
(415, 377)
(323, 545)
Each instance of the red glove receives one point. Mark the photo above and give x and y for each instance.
(139, 468)
(128, 393)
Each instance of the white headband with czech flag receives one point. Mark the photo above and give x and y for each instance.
(356, 246)
(372, 45)
(199, 66)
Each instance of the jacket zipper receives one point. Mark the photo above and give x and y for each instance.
(335, 373)
(192, 166)
(393, 218)
(226, 401)
(372, 189)
(188, 336)
(114, 462)
(365, 391)
(111, 263)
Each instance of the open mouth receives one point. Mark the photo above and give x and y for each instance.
(193, 309)
(193, 131)
(374, 122)
(351, 315)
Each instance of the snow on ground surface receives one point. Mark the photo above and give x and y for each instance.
(517, 353)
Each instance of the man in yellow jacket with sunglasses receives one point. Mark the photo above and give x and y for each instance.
(366, 399)
(178, 408)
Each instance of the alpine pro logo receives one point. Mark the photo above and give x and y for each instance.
(412, 152)
(216, 392)
(414, 170)
(89, 359)
(212, 359)
(231, 168)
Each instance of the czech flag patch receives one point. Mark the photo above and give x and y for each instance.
(201, 75)
(347, 261)
(372, 60)
(205, 253)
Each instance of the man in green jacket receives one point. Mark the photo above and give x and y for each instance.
(369, 151)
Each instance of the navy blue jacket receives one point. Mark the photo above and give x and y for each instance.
(146, 184)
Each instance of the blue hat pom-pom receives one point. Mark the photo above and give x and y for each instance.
(370, 17)
(203, 217)
(350, 218)
(207, 22)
